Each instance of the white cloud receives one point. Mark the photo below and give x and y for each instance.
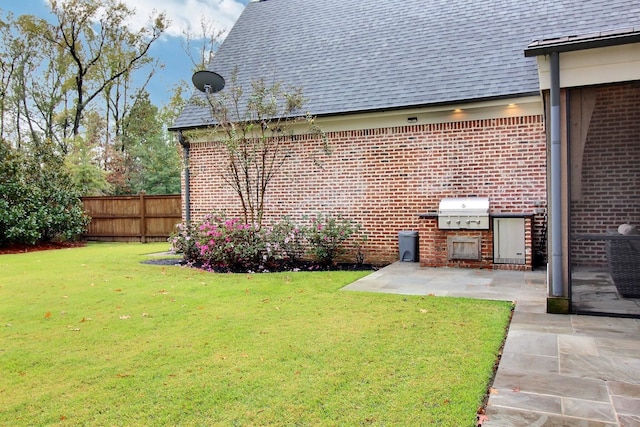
(187, 14)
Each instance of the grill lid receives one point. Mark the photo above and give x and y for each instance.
(464, 206)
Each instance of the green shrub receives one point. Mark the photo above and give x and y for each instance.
(286, 240)
(37, 199)
(326, 236)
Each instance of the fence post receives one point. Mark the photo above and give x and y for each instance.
(143, 218)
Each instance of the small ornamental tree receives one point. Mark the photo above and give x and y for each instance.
(255, 132)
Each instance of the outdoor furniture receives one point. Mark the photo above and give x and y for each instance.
(623, 256)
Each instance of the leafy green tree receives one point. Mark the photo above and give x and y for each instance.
(159, 171)
(152, 160)
(83, 160)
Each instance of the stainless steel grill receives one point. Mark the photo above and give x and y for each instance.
(464, 213)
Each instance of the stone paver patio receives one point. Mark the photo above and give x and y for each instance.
(556, 370)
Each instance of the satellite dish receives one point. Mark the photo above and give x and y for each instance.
(207, 81)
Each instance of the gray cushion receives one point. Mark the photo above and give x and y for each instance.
(628, 230)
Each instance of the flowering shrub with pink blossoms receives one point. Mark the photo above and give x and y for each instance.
(227, 244)
(183, 241)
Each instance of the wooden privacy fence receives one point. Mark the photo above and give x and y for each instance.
(132, 218)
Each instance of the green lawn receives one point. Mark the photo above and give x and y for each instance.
(90, 336)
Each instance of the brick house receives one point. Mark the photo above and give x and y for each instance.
(591, 86)
(424, 101)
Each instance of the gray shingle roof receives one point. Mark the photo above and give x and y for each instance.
(364, 55)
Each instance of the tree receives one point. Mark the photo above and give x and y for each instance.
(41, 86)
(88, 31)
(8, 59)
(254, 132)
(83, 159)
(54, 72)
(201, 53)
(21, 58)
(152, 161)
(75, 83)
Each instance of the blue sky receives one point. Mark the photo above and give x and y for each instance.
(183, 14)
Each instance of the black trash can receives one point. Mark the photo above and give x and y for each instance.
(408, 242)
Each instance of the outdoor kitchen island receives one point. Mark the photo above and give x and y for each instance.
(464, 233)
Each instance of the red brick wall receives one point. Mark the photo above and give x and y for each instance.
(610, 171)
(383, 178)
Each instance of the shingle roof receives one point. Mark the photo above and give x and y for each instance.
(367, 55)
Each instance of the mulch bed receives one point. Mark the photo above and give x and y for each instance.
(300, 266)
(43, 246)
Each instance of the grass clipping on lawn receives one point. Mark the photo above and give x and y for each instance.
(90, 336)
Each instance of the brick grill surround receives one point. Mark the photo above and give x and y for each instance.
(384, 178)
(434, 250)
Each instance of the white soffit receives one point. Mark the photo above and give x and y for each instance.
(593, 66)
(513, 107)
(483, 110)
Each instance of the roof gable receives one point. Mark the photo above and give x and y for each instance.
(369, 55)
